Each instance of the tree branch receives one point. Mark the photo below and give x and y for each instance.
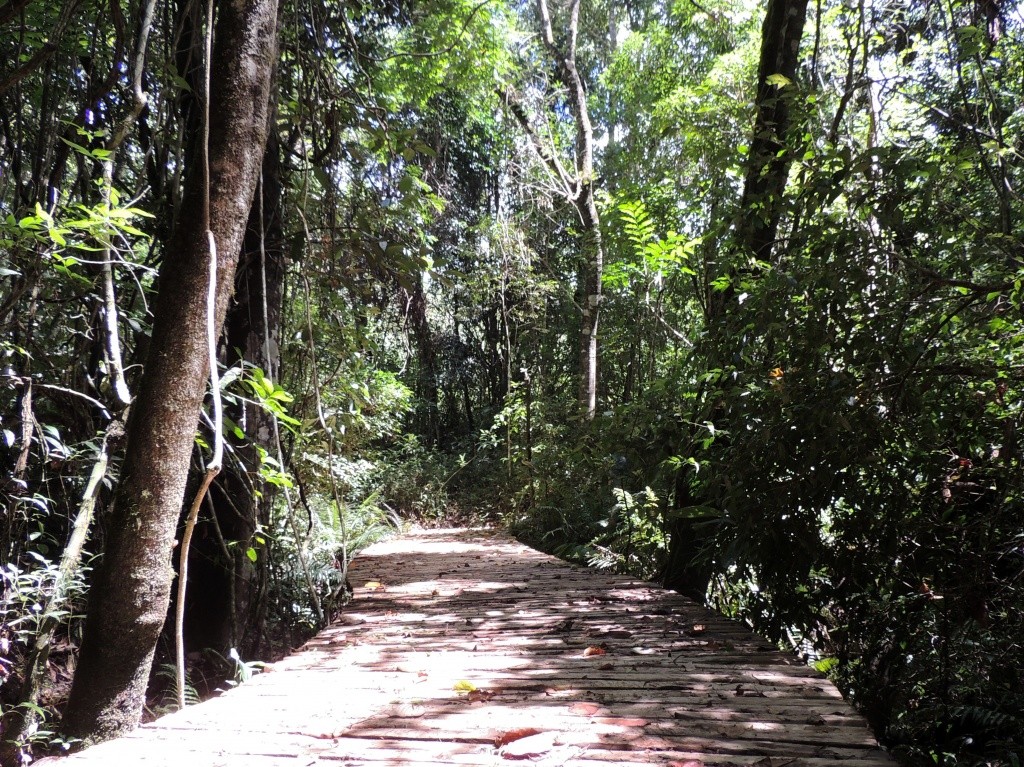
(550, 161)
(45, 52)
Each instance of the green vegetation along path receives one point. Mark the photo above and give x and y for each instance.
(463, 647)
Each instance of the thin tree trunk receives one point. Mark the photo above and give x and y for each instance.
(131, 590)
(20, 721)
(429, 414)
(582, 197)
(593, 269)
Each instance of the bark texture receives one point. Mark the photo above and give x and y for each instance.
(130, 593)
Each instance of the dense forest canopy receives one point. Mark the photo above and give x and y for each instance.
(722, 293)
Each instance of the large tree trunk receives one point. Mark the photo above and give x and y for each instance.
(768, 164)
(130, 592)
(226, 609)
(769, 159)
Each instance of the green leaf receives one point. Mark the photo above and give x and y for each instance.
(77, 147)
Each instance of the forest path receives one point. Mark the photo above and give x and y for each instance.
(439, 610)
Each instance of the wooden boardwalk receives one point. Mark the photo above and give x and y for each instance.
(463, 647)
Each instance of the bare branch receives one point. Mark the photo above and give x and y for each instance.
(550, 160)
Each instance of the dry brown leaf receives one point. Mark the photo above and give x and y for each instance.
(586, 709)
(529, 747)
(476, 696)
(594, 650)
(510, 736)
(698, 628)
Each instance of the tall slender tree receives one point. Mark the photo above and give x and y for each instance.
(576, 186)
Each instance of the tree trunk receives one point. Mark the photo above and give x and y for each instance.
(427, 391)
(768, 159)
(593, 268)
(578, 189)
(225, 610)
(767, 170)
(582, 199)
(130, 592)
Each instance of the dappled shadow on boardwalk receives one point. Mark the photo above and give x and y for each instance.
(458, 641)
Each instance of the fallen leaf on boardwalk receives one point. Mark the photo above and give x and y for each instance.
(594, 650)
(510, 736)
(698, 628)
(476, 696)
(606, 667)
(463, 686)
(686, 763)
(529, 747)
(587, 709)
(374, 586)
(743, 692)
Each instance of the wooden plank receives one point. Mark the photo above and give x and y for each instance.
(442, 609)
